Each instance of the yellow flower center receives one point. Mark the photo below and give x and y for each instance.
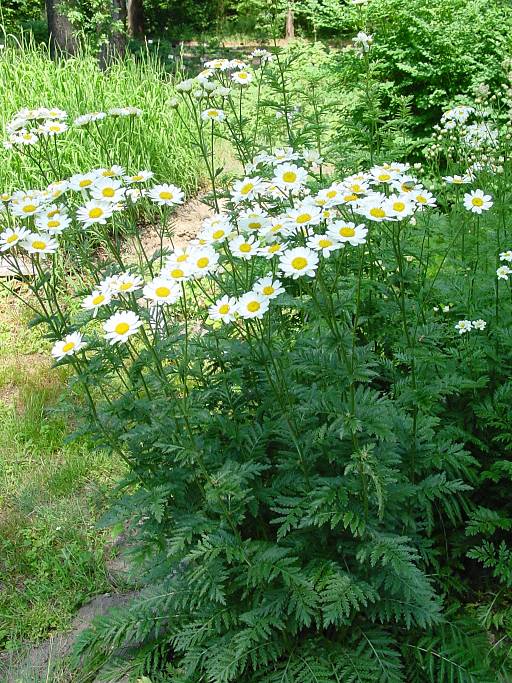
(224, 309)
(332, 193)
(55, 129)
(303, 218)
(126, 286)
(246, 188)
(384, 177)
(347, 232)
(254, 226)
(356, 188)
(253, 306)
(421, 199)
(27, 136)
(213, 113)
(85, 182)
(98, 299)
(108, 192)
(122, 328)
(243, 76)
(38, 244)
(299, 263)
(245, 248)
(29, 208)
(218, 234)
(377, 212)
(398, 206)
(166, 195)
(324, 243)
(289, 177)
(268, 290)
(107, 173)
(477, 201)
(274, 248)
(53, 224)
(11, 238)
(53, 213)
(177, 272)
(350, 197)
(162, 291)
(137, 177)
(182, 257)
(96, 212)
(203, 262)
(68, 347)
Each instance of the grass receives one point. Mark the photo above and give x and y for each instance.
(51, 554)
(158, 140)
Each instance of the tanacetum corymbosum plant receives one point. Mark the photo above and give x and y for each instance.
(280, 390)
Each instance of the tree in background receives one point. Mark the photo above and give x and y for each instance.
(60, 30)
(135, 18)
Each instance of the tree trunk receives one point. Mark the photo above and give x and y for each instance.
(62, 39)
(135, 18)
(116, 45)
(290, 28)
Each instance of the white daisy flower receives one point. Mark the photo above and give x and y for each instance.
(506, 256)
(424, 198)
(479, 324)
(52, 128)
(161, 291)
(28, 206)
(85, 119)
(241, 77)
(203, 260)
(82, 181)
(40, 244)
(269, 287)
(255, 220)
(125, 283)
(224, 309)
(68, 346)
(246, 188)
(476, 201)
(139, 177)
(120, 326)
(107, 190)
(456, 179)
(271, 250)
(289, 177)
(298, 262)
(304, 215)
(177, 271)
(463, 326)
(97, 299)
(10, 237)
(215, 115)
(112, 172)
(243, 247)
(252, 305)
(93, 212)
(53, 224)
(503, 272)
(166, 195)
(400, 206)
(331, 196)
(348, 232)
(324, 244)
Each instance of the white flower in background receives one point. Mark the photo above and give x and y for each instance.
(463, 326)
(476, 201)
(82, 181)
(331, 196)
(94, 212)
(312, 156)
(139, 177)
(10, 237)
(120, 326)
(85, 119)
(224, 309)
(166, 195)
(107, 190)
(125, 111)
(243, 247)
(215, 115)
(218, 64)
(348, 232)
(298, 262)
(97, 299)
(215, 232)
(383, 175)
(479, 324)
(111, 172)
(185, 86)
(52, 128)
(325, 244)
(269, 287)
(457, 179)
(36, 243)
(362, 42)
(289, 177)
(506, 256)
(68, 346)
(503, 272)
(252, 305)
(57, 188)
(161, 291)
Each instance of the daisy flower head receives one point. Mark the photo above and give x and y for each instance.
(243, 247)
(125, 283)
(24, 137)
(52, 128)
(289, 177)
(97, 299)
(400, 206)
(107, 190)
(120, 326)
(82, 181)
(10, 237)
(299, 262)
(271, 250)
(139, 177)
(214, 115)
(177, 271)
(252, 305)
(53, 224)
(26, 206)
(161, 291)
(477, 201)
(92, 116)
(246, 188)
(68, 346)
(331, 196)
(253, 220)
(479, 324)
(423, 198)
(40, 243)
(503, 272)
(166, 195)
(242, 77)
(374, 208)
(304, 215)
(269, 287)
(93, 212)
(456, 179)
(463, 326)
(224, 309)
(111, 172)
(203, 260)
(382, 175)
(324, 244)
(220, 64)
(57, 188)
(348, 232)
(215, 231)
(506, 256)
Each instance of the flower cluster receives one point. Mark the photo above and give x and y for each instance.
(464, 326)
